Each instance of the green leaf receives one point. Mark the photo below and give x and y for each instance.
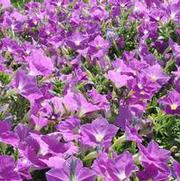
(4, 78)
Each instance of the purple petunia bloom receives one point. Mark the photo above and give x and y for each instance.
(72, 170)
(132, 134)
(156, 74)
(121, 74)
(51, 143)
(176, 167)
(124, 117)
(6, 135)
(98, 47)
(39, 64)
(73, 102)
(120, 167)
(152, 173)
(70, 128)
(99, 100)
(154, 155)
(142, 88)
(56, 162)
(77, 41)
(7, 169)
(98, 133)
(26, 85)
(171, 103)
(5, 3)
(98, 13)
(118, 79)
(23, 166)
(72, 73)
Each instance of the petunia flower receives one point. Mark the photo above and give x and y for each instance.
(129, 113)
(72, 102)
(141, 88)
(23, 166)
(5, 3)
(39, 63)
(154, 155)
(122, 167)
(124, 117)
(118, 79)
(121, 74)
(51, 143)
(69, 128)
(26, 85)
(171, 103)
(99, 100)
(152, 173)
(119, 167)
(98, 47)
(6, 135)
(132, 134)
(98, 13)
(176, 167)
(156, 74)
(98, 133)
(77, 41)
(72, 170)
(56, 162)
(101, 165)
(8, 169)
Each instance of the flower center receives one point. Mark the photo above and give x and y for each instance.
(140, 86)
(174, 106)
(121, 175)
(77, 42)
(99, 137)
(154, 78)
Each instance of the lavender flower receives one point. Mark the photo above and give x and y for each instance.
(120, 167)
(43, 66)
(171, 103)
(26, 85)
(70, 129)
(72, 170)
(153, 155)
(7, 169)
(98, 133)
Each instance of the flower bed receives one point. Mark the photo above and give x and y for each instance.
(90, 90)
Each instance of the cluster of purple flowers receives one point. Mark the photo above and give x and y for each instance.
(56, 54)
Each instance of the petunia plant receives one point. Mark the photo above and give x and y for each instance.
(90, 90)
